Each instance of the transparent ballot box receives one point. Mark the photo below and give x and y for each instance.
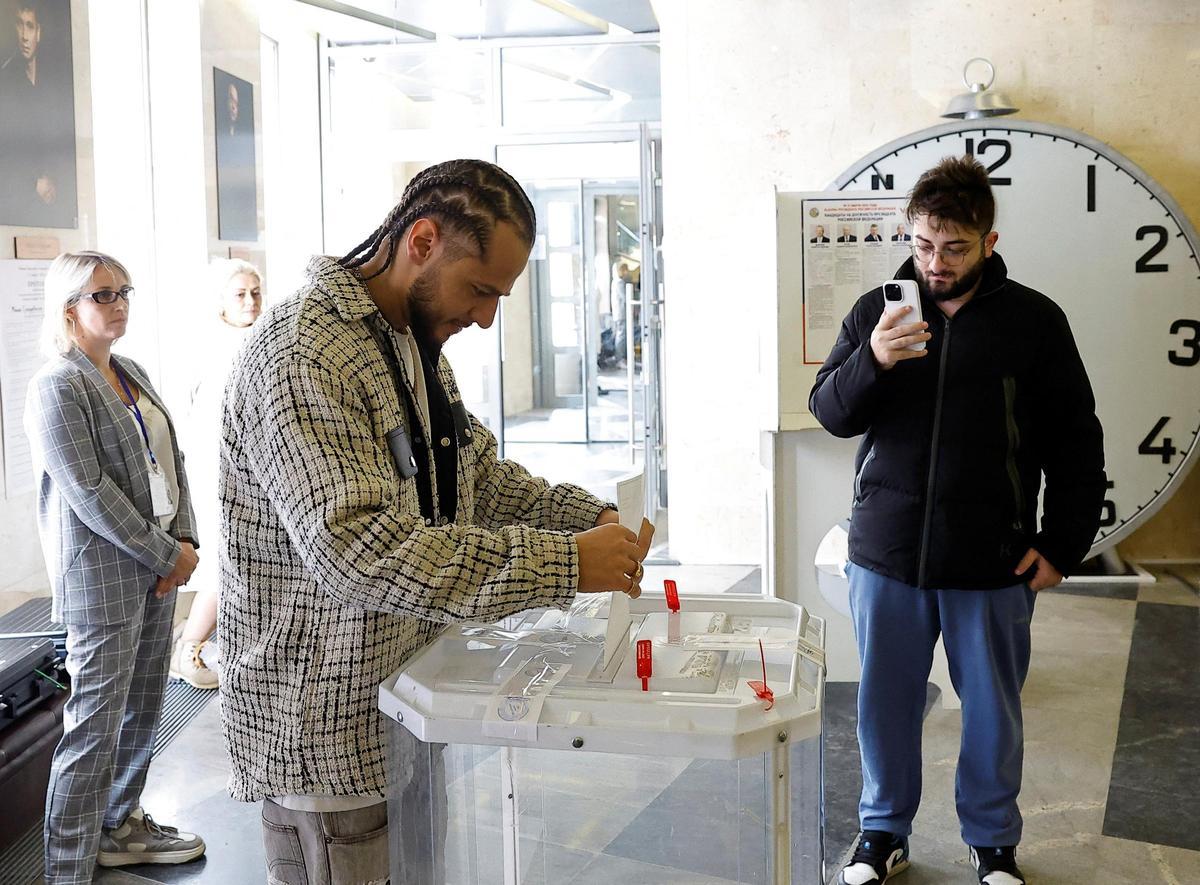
(636, 745)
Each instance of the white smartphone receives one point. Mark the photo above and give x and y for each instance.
(902, 293)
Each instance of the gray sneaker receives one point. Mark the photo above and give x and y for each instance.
(141, 840)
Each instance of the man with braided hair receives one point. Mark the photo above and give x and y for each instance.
(364, 508)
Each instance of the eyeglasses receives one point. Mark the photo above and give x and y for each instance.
(107, 296)
(924, 253)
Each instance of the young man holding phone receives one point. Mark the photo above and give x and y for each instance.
(943, 532)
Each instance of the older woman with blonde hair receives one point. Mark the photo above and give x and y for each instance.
(117, 532)
(238, 287)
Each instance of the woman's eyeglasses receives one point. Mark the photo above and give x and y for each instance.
(108, 296)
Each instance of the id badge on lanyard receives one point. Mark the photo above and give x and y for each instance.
(160, 495)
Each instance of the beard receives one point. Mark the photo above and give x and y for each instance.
(421, 320)
(960, 287)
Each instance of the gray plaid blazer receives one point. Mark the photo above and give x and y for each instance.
(103, 546)
(330, 576)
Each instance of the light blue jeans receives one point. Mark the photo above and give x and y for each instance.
(986, 635)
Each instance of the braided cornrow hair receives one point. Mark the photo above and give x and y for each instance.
(467, 197)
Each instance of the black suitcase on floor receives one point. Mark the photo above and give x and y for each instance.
(31, 620)
(31, 713)
(31, 672)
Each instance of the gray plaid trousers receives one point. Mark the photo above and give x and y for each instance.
(118, 674)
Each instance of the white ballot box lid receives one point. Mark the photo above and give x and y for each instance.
(538, 679)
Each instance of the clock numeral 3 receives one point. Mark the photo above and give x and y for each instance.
(1192, 344)
(983, 149)
(1165, 449)
(1143, 264)
(1108, 512)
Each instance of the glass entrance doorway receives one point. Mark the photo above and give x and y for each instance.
(579, 354)
(583, 324)
(567, 379)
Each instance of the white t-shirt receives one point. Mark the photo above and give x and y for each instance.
(327, 803)
(412, 368)
(159, 432)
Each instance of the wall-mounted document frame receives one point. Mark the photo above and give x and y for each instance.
(831, 248)
(21, 309)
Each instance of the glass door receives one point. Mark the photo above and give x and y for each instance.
(564, 348)
(612, 258)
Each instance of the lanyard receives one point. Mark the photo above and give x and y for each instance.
(137, 413)
(424, 486)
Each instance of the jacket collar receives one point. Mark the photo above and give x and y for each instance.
(349, 294)
(995, 275)
(80, 360)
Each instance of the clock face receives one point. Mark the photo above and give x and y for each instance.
(1086, 227)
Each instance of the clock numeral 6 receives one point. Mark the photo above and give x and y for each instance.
(1143, 264)
(1192, 343)
(1108, 512)
(1165, 449)
(1001, 143)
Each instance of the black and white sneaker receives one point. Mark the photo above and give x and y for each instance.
(877, 857)
(997, 866)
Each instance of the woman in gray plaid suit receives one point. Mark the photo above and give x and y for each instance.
(116, 523)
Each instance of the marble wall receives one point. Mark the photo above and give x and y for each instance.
(787, 93)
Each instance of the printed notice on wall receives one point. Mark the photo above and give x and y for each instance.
(20, 325)
(851, 245)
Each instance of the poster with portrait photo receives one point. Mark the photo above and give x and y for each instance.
(37, 115)
(237, 193)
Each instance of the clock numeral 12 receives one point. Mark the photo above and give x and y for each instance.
(983, 148)
(1108, 512)
(1143, 264)
(1091, 187)
(1165, 449)
(1193, 343)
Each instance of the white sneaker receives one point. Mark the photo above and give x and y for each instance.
(187, 663)
(877, 857)
(141, 840)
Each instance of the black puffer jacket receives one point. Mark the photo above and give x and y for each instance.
(955, 443)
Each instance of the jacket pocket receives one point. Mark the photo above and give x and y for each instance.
(858, 478)
(71, 557)
(1014, 446)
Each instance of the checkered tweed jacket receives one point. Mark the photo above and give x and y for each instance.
(102, 544)
(330, 577)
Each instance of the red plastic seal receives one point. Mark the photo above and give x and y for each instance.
(760, 688)
(644, 666)
(672, 595)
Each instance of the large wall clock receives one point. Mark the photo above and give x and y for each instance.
(1084, 225)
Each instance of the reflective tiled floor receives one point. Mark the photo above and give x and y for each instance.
(1112, 766)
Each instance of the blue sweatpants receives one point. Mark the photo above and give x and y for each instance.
(986, 635)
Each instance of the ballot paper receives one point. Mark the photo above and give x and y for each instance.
(631, 509)
(631, 501)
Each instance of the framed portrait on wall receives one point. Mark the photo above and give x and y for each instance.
(237, 192)
(37, 115)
